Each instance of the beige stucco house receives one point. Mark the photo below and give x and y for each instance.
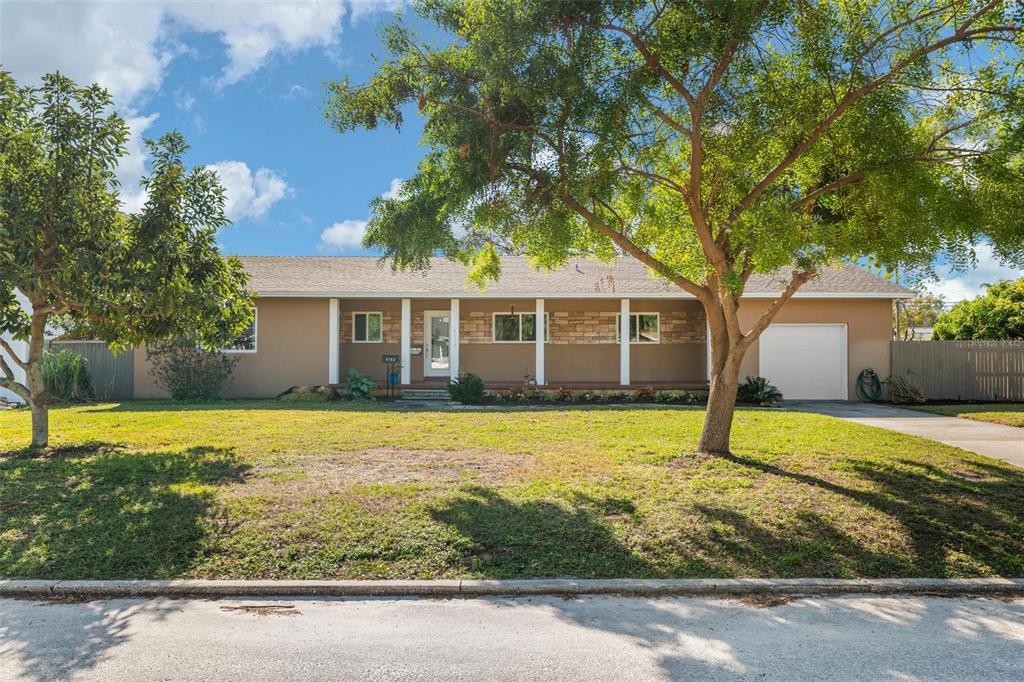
(316, 317)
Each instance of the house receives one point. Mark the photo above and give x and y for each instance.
(21, 349)
(316, 317)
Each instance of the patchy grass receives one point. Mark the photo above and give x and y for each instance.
(1010, 414)
(261, 490)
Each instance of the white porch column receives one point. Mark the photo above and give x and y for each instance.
(453, 340)
(406, 356)
(333, 343)
(539, 326)
(624, 342)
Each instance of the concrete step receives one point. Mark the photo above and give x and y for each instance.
(432, 395)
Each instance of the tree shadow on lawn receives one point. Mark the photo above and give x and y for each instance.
(99, 511)
(509, 538)
(963, 522)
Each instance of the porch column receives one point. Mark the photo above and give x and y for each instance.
(453, 340)
(406, 355)
(624, 342)
(539, 345)
(333, 343)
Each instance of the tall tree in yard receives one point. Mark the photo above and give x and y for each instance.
(66, 245)
(709, 140)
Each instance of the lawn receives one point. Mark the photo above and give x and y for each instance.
(1011, 414)
(258, 490)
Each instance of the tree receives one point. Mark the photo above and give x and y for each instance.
(999, 314)
(710, 140)
(921, 311)
(66, 245)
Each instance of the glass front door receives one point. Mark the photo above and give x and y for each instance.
(437, 352)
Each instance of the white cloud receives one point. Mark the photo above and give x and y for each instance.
(348, 234)
(132, 166)
(957, 286)
(127, 47)
(393, 189)
(249, 195)
(362, 9)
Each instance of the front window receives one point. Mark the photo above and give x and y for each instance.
(246, 341)
(643, 328)
(518, 327)
(366, 327)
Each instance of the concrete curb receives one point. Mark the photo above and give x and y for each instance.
(102, 589)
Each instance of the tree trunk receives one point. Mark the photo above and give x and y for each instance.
(39, 397)
(714, 437)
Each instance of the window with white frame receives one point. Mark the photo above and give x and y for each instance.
(367, 327)
(518, 327)
(643, 328)
(246, 341)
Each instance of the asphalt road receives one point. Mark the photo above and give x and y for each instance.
(841, 638)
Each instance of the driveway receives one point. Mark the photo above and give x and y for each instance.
(992, 440)
(549, 638)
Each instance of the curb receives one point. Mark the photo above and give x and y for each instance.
(102, 589)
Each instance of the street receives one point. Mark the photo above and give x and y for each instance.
(836, 638)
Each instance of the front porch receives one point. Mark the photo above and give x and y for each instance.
(577, 343)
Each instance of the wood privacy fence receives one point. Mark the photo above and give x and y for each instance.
(963, 370)
(112, 375)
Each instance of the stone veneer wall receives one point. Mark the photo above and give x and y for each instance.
(590, 327)
(566, 327)
(391, 327)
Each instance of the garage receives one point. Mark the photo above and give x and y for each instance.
(805, 361)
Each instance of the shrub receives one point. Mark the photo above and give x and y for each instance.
(189, 372)
(66, 376)
(468, 389)
(360, 385)
(647, 394)
(758, 391)
(308, 394)
(564, 395)
(905, 390)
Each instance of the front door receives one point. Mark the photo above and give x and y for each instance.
(436, 344)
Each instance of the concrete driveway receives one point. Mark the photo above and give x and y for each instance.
(992, 440)
(544, 638)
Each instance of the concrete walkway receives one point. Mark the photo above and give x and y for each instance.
(992, 440)
(548, 638)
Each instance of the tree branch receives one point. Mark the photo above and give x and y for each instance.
(627, 245)
(961, 34)
(797, 280)
(14, 356)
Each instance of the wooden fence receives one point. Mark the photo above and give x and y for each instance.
(112, 375)
(963, 370)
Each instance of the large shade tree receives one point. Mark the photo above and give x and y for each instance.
(710, 140)
(70, 250)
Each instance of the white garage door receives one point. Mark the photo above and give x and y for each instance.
(806, 361)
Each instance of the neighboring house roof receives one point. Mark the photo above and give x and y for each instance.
(369, 277)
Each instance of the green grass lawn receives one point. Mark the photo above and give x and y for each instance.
(258, 490)
(1011, 414)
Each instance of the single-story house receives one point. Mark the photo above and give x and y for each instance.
(316, 317)
(21, 349)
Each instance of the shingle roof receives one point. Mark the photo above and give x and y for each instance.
(354, 276)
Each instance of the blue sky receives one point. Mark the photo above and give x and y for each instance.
(243, 82)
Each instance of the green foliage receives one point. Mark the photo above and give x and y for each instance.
(69, 246)
(905, 390)
(66, 376)
(758, 391)
(998, 314)
(468, 389)
(560, 128)
(187, 371)
(922, 311)
(360, 385)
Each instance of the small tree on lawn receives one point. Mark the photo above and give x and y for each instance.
(710, 140)
(68, 248)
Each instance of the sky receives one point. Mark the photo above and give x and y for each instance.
(243, 81)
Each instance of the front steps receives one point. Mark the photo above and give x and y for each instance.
(424, 396)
